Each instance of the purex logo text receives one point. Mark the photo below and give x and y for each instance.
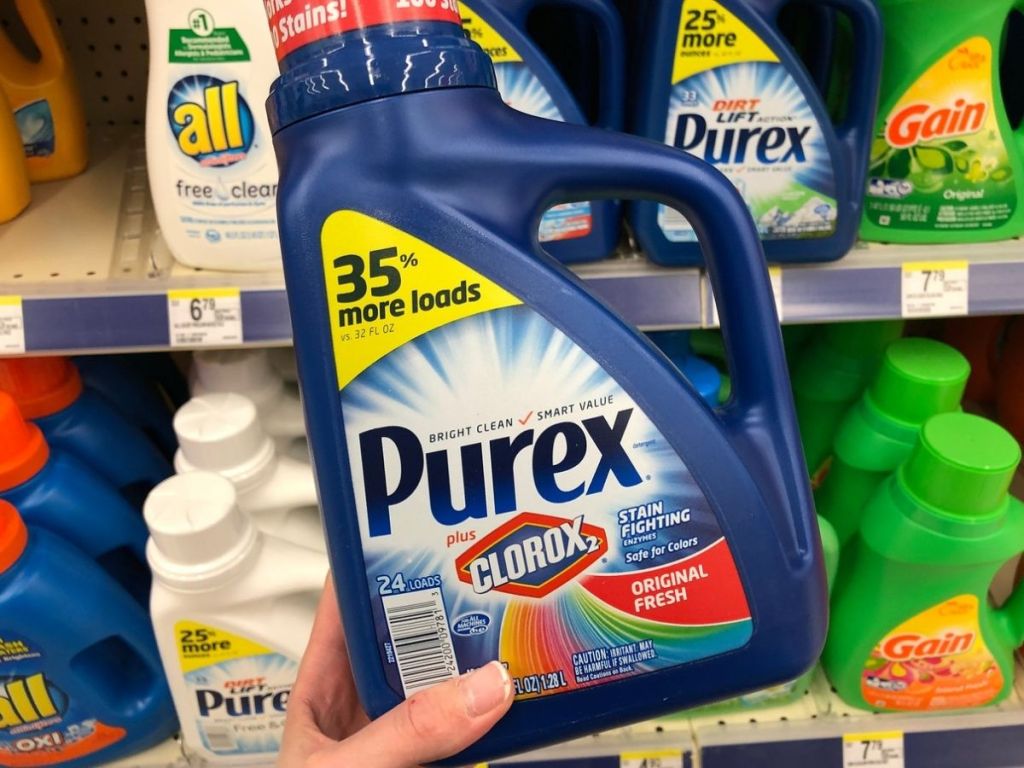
(556, 450)
(733, 145)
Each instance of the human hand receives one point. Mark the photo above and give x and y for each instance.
(326, 726)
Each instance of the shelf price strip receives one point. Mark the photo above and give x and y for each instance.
(934, 288)
(774, 275)
(652, 758)
(203, 317)
(12, 326)
(876, 749)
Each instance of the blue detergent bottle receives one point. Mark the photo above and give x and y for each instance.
(49, 391)
(53, 490)
(81, 682)
(498, 454)
(704, 377)
(124, 386)
(720, 82)
(576, 231)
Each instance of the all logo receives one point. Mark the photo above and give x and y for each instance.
(29, 699)
(531, 555)
(210, 120)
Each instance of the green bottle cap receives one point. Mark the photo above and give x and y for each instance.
(857, 340)
(919, 378)
(962, 465)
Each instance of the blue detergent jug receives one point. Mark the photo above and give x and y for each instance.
(704, 377)
(53, 490)
(720, 82)
(625, 549)
(80, 678)
(49, 391)
(576, 231)
(124, 386)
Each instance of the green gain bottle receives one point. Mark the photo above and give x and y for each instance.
(784, 693)
(912, 627)
(829, 375)
(945, 164)
(918, 378)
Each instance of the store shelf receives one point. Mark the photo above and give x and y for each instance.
(808, 732)
(93, 274)
(165, 755)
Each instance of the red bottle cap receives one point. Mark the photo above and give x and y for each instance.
(23, 451)
(293, 25)
(13, 535)
(40, 386)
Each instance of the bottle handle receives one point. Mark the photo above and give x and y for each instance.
(42, 26)
(611, 50)
(862, 98)
(584, 164)
(1010, 615)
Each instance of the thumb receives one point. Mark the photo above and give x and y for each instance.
(430, 725)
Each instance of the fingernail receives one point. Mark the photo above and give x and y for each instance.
(485, 688)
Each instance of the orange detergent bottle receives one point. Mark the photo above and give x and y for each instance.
(46, 102)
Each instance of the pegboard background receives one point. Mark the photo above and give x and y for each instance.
(109, 47)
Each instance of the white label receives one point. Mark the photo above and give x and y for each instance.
(205, 317)
(934, 288)
(656, 758)
(12, 326)
(774, 274)
(882, 749)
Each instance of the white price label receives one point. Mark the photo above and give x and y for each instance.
(881, 749)
(774, 274)
(205, 317)
(934, 288)
(655, 758)
(12, 326)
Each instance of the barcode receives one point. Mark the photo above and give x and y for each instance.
(421, 639)
(220, 739)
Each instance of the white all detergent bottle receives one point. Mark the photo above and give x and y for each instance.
(211, 165)
(221, 433)
(232, 611)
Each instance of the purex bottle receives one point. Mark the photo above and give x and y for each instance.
(499, 455)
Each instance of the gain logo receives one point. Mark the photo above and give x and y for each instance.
(25, 700)
(210, 120)
(531, 555)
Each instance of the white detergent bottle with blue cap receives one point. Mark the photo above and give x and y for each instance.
(211, 165)
(232, 610)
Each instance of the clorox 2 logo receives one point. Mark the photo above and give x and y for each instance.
(210, 120)
(531, 555)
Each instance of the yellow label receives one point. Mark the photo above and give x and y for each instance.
(953, 98)
(652, 758)
(711, 36)
(484, 35)
(873, 736)
(10, 301)
(200, 645)
(936, 660)
(932, 266)
(203, 293)
(386, 288)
